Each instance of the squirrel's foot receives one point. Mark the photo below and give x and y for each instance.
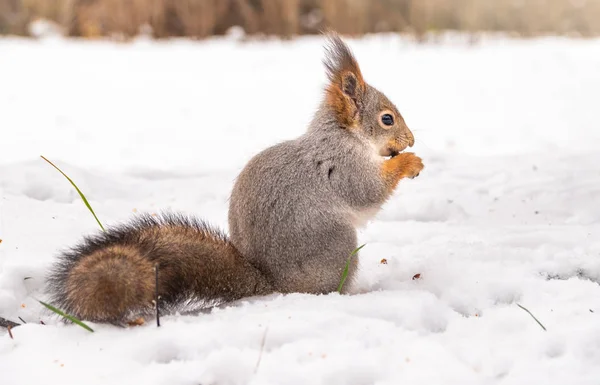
(136, 322)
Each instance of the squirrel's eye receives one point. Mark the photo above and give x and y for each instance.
(387, 119)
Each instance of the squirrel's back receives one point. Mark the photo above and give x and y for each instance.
(295, 207)
(110, 277)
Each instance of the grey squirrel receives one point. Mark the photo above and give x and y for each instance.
(293, 214)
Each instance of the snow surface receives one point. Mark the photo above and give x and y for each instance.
(506, 211)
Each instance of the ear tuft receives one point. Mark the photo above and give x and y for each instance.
(346, 88)
(339, 60)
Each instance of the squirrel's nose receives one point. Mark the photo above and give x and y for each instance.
(411, 138)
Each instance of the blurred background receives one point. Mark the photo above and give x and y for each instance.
(122, 19)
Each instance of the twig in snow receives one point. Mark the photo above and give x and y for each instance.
(156, 297)
(536, 320)
(22, 320)
(10, 333)
(262, 347)
(7, 324)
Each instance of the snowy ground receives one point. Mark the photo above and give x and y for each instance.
(507, 210)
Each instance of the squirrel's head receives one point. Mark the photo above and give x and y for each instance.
(360, 108)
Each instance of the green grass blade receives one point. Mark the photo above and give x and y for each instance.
(357, 250)
(78, 190)
(344, 275)
(69, 317)
(532, 316)
(345, 272)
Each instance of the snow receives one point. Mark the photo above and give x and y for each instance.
(506, 212)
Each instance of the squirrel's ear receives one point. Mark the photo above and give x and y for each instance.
(346, 87)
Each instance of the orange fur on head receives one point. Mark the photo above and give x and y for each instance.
(346, 85)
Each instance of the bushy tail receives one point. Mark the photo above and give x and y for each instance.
(110, 277)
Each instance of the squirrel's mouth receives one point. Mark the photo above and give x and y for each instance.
(389, 153)
(395, 147)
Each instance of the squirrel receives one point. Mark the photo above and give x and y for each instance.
(293, 216)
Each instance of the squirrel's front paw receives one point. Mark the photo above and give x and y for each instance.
(410, 164)
(404, 165)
